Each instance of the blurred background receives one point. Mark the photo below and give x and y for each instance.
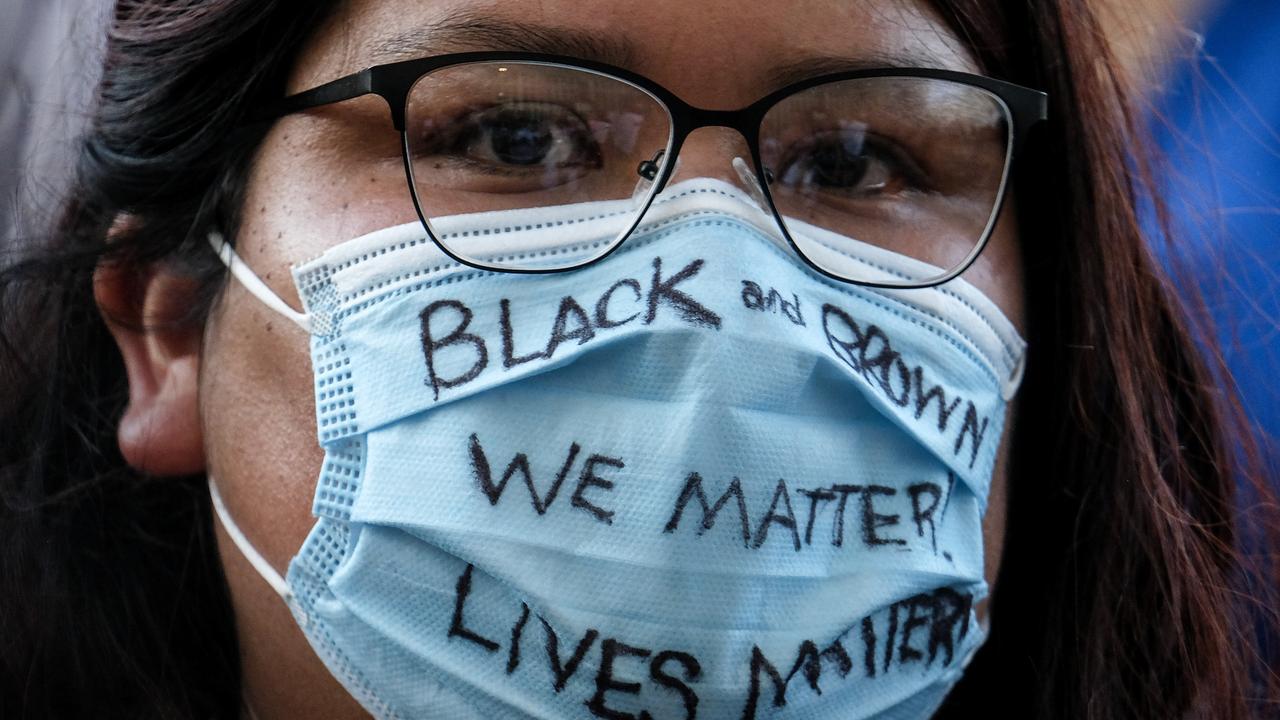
(1208, 70)
(49, 54)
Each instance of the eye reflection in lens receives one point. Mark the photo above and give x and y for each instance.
(486, 136)
(910, 165)
(514, 138)
(490, 136)
(850, 162)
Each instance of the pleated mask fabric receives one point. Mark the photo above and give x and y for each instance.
(696, 479)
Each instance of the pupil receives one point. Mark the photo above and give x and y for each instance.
(835, 166)
(520, 140)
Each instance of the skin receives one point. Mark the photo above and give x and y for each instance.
(236, 400)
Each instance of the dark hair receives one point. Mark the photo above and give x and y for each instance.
(1121, 585)
(114, 603)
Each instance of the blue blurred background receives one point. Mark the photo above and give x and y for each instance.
(1218, 119)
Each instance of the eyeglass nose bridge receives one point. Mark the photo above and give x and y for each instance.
(687, 119)
(755, 179)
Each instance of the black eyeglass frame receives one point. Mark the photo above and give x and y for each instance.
(394, 81)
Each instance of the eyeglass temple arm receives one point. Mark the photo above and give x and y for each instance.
(1031, 107)
(344, 88)
(254, 284)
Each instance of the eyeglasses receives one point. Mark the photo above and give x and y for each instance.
(909, 161)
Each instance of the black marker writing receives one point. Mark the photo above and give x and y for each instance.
(923, 629)
(457, 628)
(693, 490)
(816, 497)
(872, 520)
(808, 662)
(519, 463)
(517, 632)
(610, 652)
(691, 671)
(922, 510)
(510, 358)
(433, 344)
(755, 298)
(786, 520)
(672, 670)
(824, 504)
(560, 669)
(869, 352)
(665, 292)
(603, 321)
(942, 614)
(571, 323)
(934, 622)
(588, 478)
(445, 324)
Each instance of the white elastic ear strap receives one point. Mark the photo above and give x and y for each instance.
(246, 548)
(251, 282)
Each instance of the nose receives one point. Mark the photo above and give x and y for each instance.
(709, 152)
(721, 153)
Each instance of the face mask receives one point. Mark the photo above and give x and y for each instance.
(696, 479)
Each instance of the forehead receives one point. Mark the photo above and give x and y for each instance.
(711, 52)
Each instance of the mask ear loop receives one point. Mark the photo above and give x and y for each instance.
(251, 282)
(250, 553)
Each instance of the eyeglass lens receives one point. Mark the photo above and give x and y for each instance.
(491, 136)
(908, 166)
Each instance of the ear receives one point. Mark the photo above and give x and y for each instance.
(143, 307)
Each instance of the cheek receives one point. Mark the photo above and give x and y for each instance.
(998, 270)
(993, 523)
(312, 186)
(260, 440)
(998, 274)
(316, 183)
(257, 411)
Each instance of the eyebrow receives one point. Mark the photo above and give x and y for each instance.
(464, 30)
(811, 67)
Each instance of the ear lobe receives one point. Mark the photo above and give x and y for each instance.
(145, 308)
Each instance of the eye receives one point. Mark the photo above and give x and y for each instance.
(522, 136)
(850, 162)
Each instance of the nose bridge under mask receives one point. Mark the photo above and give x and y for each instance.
(740, 197)
(392, 250)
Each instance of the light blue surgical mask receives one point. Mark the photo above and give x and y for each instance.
(694, 480)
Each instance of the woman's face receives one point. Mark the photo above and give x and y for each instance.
(334, 173)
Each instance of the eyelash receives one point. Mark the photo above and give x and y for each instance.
(889, 152)
(465, 126)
